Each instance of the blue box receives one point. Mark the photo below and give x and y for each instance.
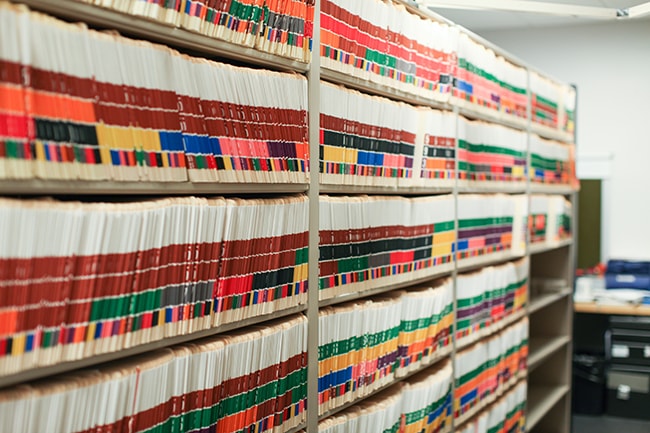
(627, 274)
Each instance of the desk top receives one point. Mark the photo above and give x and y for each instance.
(628, 310)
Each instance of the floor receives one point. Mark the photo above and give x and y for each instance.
(605, 424)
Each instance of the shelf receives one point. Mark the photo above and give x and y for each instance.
(479, 187)
(47, 371)
(441, 271)
(78, 187)
(302, 426)
(387, 190)
(541, 399)
(162, 33)
(540, 348)
(492, 329)
(623, 310)
(442, 354)
(547, 299)
(475, 111)
(551, 133)
(471, 263)
(367, 86)
(542, 247)
(540, 188)
(489, 400)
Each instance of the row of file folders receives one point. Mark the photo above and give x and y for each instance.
(487, 372)
(366, 345)
(379, 41)
(256, 380)
(392, 411)
(106, 116)
(80, 279)
(251, 380)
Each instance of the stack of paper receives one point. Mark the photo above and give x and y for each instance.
(491, 223)
(484, 298)
(252, 380)
(559, 221)
(488, 80)
(435, 153)
(568, 112)
(80, 104)
(538, 218)
(357, 349)
(82, 279)
(282, 27)
(367, 242)
(384, 43)
(489, 152)
(546, 98)
(366, 344)
(550, 219)
(426, 324)
(420, 404)
(551, 162)
(366, 140)
(427, 401)
(483, 371)
(380, 413)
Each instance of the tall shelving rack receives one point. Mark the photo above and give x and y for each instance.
(550, 313)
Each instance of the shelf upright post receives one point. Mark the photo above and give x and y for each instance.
(573, 262)
(454, 274)
(313, 79)
(529, 141)
(529, 131)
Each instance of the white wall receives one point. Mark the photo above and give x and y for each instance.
(610, 64)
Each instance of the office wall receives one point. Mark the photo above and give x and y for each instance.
(610, 63)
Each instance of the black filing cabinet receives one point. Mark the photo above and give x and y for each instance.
(627, 344)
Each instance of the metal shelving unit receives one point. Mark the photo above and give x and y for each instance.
(541, 399)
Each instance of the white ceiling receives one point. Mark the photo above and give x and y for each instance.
(482, 20)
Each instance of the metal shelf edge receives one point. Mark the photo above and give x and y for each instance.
(546, 300)
(383, 289)
(340, 78)
(539, 355)
(552, 133)
(486, 260)
(539, 188)
(492, 187)
(544, 247)
(552, 395)
(81, 187)
(387, 190)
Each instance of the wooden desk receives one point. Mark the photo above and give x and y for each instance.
(622, 310)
